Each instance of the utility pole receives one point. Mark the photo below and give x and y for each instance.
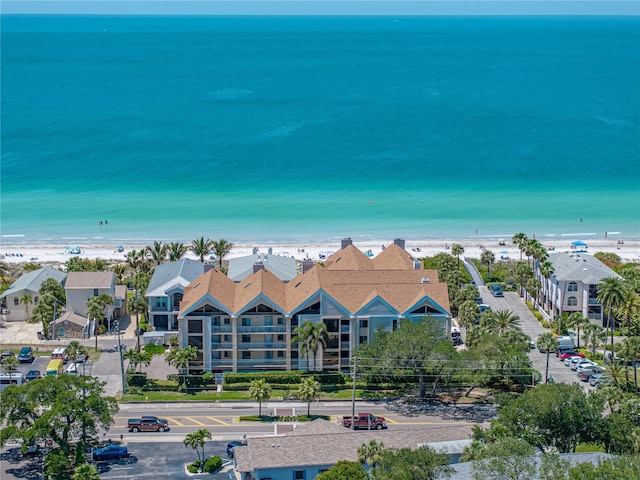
(353, 394)
(124, 380)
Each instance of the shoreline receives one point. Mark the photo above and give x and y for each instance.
(54, 253)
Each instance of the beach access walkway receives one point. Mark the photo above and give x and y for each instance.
(473, 271)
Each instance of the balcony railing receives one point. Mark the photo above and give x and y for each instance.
(262, 345)
(344, 329)
(221, 346)
(163, 308)
(262, 329)
(221, 329)
(262, 362)
(345, 345)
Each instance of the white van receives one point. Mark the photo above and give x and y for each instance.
(72, 368)
(13, 379)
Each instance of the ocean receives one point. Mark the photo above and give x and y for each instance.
(297, 129)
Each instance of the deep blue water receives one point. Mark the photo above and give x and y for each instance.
(313, 128)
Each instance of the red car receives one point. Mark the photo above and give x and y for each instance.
(564, 355)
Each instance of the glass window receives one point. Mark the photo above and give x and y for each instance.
(364, 323)
(363, 339)
(195, 341)
(16, 301)
(246, 355)
(246, 338)
(195, 326)
(573, 287)
(227, 321)
(572, 301)
(281, 338)
(268, 320)
(215, 321)
(280, 321)
(246, 322)
(268, 354)
(35, 300)
(95, 292)
(280, 354)
(298, 475)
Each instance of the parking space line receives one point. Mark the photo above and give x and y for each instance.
(219, 421)
(195, 421)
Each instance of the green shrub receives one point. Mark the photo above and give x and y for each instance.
(136, 379)
(154, 349)
(273, 378)
(336, 378)
(213, 464)
(193, 467)
(174, 341)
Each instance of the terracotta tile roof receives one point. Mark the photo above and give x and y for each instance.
(348, 278)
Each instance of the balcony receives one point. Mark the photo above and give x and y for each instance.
(221, 329)
(593, 301)
(221, 346)
(263, 329)
(262, 363)
(344, 328)
(262, 345)
(345, 345)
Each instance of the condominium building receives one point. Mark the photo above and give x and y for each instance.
(249, 325)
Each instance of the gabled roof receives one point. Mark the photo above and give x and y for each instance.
(32, 281)
(169, 275)
(395, 257)
(579, 267)
(72, 317)
(83, 280)
(305, 447)
(212, 284)
(349, 278)
(262, 283)
(285, 268)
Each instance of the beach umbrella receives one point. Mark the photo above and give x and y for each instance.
(578, 243)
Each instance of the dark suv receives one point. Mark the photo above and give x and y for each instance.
(496, 291)
(25, 355)
(231, 445)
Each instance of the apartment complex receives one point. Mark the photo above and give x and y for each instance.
(249, 325)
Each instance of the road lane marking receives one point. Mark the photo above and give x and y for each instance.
(176, 422)
(195, 421)
(219, 421)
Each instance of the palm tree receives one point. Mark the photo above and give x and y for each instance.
(319, 339)
(201, 247)
(468, 312)
(302, 335)
(577, 322)
(180, 359)
(95, 312)
(74, 350)
(369, 453)
(119, 269)
(260, 391)
(26, 300)
(499, 321)
(308, 391)
(522, 272)
(595, 335)
(157, 252)
(137, 359)
(629, 307)
(533, 247)
(547, 343)
(610, 294)
(135, 259)
(546, 270)
(221, 248)
(630, 350)
(176, 251)
(457, 250)
(519, 239)
(487, 258)
(197, 440)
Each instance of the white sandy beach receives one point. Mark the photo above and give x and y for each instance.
(56, 254)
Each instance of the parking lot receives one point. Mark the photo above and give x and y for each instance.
(157, 460)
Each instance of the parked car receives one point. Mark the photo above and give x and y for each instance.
(26, 355)
(231, 445)
(110, 452)
(597, 379)
(586, 372)
(583, 367)
(32, 375)
(575, 364)
(568, 360)
(147, 423)
(569, 353)
(60, 353)
(496, 291)
(6, 354)
(72, 368)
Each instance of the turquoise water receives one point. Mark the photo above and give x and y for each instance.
(311, 129)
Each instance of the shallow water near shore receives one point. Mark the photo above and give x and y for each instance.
(311, 129)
